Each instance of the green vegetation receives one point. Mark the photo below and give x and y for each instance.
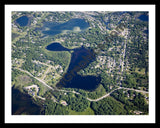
(75, 103)
(108, 81)
(132, 101)
(55, 109)
(136, 80)
(78, 103)
(108, 106)
(100, 91)
(87, 111)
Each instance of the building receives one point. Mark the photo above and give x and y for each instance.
(63, 103)
(137, 112)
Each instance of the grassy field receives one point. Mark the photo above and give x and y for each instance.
(142, 71)
(87, 111)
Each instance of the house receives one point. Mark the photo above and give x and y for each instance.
(63, 103)
(137, 112)
(33, 93)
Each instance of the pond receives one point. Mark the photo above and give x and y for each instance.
(23, 21)
(143, 17)
(53, 28)
(80, 58)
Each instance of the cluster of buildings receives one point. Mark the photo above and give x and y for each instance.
(32, 90)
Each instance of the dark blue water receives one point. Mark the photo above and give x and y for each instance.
(23, 21)
(107, 26)
(81, 58)
(146, 31)
(56, 47)
(22, 103)
(88, 83)
(56, 28)
(143, 17)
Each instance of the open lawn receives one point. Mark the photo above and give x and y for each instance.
(87, 111)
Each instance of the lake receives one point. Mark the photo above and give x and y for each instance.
(53, 28)
(22, 104)
(80, 58)
(23, 21)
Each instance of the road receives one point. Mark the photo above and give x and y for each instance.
(135, 90)
(35, 78)
(46, 72)
(108, 94)
(45, 83)
(93, 100)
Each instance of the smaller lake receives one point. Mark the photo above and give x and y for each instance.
(53, 28)
(23, 21)
(56, 47)
(143, 17)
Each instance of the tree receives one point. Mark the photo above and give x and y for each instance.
(108, 106)
(53, 108)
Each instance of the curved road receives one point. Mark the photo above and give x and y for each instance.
(94, 100)
(108, 94)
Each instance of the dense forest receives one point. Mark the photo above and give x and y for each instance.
(108, 106)
(131, 100)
